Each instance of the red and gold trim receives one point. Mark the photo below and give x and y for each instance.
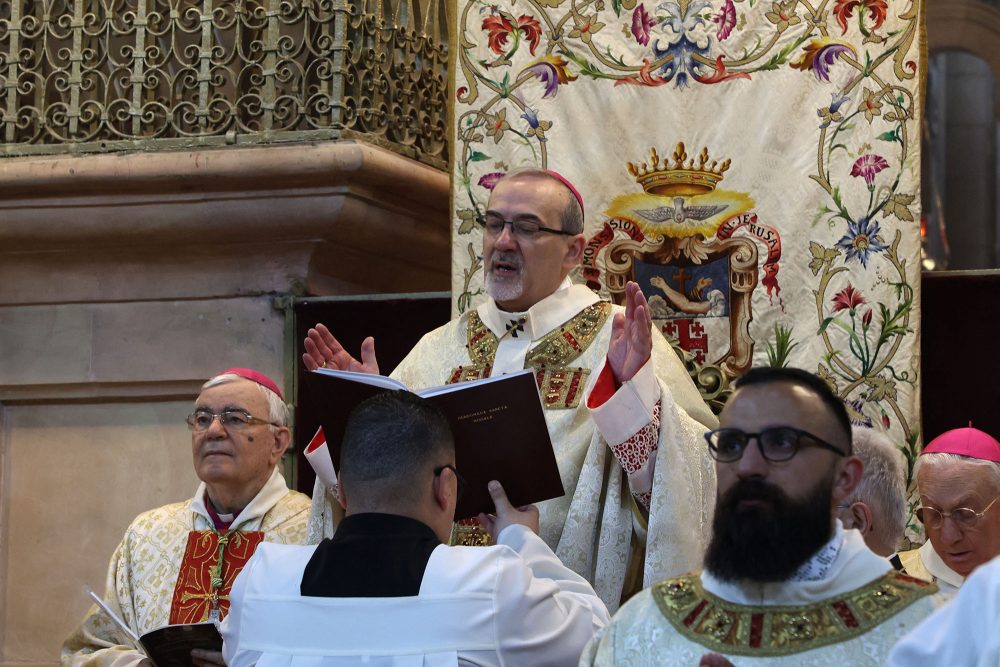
(783, 630)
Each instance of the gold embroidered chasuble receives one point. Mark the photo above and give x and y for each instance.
(925, 563)
(161, 572)
(565, 339)
(854, 617)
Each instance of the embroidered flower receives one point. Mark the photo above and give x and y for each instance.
(536, 128)
(844, 8)
(847, 299)
(855, 411)
(489, 181)
(783, 15)
(500, 27)
(642, 23)
(867, 166)
(550, 71)
(819, 55)
(585, 27)
(870, 105)
(831, 114)
(725, 19)
(862, 239)
(496, 124)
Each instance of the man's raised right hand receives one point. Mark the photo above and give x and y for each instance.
(325, 351)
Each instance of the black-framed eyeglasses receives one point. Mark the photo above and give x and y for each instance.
(233, 418)
(522, 228)
(458, 478)
(776, 444)
(964, 517)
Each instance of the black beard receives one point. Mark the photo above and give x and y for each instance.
(767, 543)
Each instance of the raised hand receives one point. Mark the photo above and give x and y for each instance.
(631, 336)
(325, 351)
(507, 515)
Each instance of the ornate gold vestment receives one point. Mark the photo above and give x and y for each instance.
(738, 629)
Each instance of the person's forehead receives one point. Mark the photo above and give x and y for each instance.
(774, 404)
(236, 394)
(952, 484)
(528, 195)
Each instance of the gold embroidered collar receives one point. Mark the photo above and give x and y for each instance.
(739, 629)
(556, 349)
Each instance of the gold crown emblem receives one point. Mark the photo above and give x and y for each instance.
(680, 179)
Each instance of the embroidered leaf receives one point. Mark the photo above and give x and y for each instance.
(478, 157)
(824, 325)
(889, 136)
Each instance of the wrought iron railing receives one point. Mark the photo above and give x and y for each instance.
(102, 75)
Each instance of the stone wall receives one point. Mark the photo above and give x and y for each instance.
(125, 282)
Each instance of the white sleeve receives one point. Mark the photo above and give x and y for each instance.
(546, 613)
(963, 632)
(230, 628)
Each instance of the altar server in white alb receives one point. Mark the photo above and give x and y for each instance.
(958, 477)
(177, 563)
(625, 417)
(387, 591)
(784, 583)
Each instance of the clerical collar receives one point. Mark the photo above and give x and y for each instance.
(219, 520)
(552, 311)
(819, 564)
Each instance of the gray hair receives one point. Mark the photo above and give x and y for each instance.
(939, 458)
(572, 214)
(883, 485)
(277, 411)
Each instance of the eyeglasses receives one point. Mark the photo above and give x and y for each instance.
(964, 518)
(234, 419)
(776, 444)
(458, 477)
(524, 229)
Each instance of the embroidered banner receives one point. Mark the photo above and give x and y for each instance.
(754, 166)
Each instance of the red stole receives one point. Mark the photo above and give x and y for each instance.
(199, 586)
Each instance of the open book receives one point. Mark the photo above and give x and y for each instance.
(169, 645)
(498, 423)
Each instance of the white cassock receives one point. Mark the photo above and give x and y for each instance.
(845, 606)
(642, 446)
(964, 632)
(925, 563)
(509, 604)
(160, 574)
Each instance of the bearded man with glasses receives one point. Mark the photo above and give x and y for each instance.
(958, 478)
(624, 415)
(783, 582)
(177, 563)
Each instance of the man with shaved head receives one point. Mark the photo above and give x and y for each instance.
(622, 411)
(387, 590)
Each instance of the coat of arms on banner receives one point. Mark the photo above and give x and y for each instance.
(697, 252)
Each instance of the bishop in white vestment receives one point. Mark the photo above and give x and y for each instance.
(625, 417)
(177, 563)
